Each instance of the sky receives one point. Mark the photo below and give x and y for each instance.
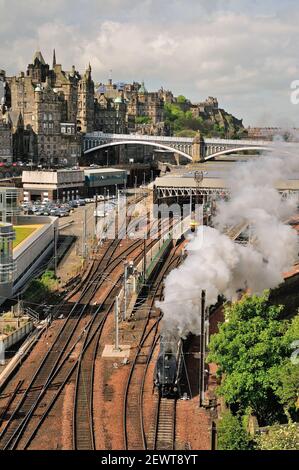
(244, 52)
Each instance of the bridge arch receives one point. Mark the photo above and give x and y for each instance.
(237, 149)
(138, 142)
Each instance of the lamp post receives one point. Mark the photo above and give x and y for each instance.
(135, 186)
(125, 289)
(198, 178)
(202, 349)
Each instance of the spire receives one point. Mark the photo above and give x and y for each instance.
(54, 58)
(38, 55)
(20, 122)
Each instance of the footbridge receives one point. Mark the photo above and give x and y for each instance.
(194, 149)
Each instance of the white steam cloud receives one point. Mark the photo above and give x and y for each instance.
(220, 266)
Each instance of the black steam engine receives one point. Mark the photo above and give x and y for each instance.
(169, 366)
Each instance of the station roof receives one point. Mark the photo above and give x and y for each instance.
(215, 175)
(103, 170)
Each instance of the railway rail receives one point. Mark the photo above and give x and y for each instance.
(133, 421)
(164, 429)
(53, 357)
(20, 434)
(17, 433)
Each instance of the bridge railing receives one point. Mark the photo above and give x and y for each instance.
(100, 135)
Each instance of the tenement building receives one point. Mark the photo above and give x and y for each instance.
(55, 106)
(129, 107)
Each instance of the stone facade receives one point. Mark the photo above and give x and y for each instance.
(49, 101)
(137, 109)
(110, 113)
(6, 148)
(6, 145)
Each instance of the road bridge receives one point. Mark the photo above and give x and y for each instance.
(195, 149)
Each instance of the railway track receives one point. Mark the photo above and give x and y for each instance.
(83, 438)
(83, 430)
(50, 361)
(164, 429)
(133, 422)
(53, 366)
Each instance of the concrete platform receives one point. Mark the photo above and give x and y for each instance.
(109, 351)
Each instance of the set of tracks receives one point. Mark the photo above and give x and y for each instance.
(164, 428)
(54, 370)
(56, 356)
(83, 426)
(135, 436)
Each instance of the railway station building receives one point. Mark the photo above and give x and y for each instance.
(25, 243)
(63, 185)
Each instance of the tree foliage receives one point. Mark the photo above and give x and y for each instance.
(181, 99)
(285, 377)
(180, 118)
(231, 435)
(277, 437)
(143, 120)
(248, 349)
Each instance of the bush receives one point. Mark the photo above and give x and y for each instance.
(143, 120)
(231, 434)
(285, 437)
(42, 288)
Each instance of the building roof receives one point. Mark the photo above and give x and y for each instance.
(103, 170)
(38, 55)
(142, 89)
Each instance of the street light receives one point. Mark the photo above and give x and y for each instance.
(198, 178)
(135, 186)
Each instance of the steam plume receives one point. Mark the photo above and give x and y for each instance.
(220, 266)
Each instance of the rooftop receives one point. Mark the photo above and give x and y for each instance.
(23, 232)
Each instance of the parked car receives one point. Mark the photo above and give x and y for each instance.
(63, 212)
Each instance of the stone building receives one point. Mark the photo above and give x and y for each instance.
(143, 104)
(55, 108)
(6, 146)
(130, 107)
(110, 113)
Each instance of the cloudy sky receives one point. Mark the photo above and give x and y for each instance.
(245, 52)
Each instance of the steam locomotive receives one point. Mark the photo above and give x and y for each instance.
(168, 367)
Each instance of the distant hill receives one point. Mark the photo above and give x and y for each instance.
(186, 118)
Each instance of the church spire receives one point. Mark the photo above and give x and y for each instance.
(54, 58)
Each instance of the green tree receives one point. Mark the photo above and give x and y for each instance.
(231, 434)
(285, 377)
(143, 120)
(181, 99)
(246, 349)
